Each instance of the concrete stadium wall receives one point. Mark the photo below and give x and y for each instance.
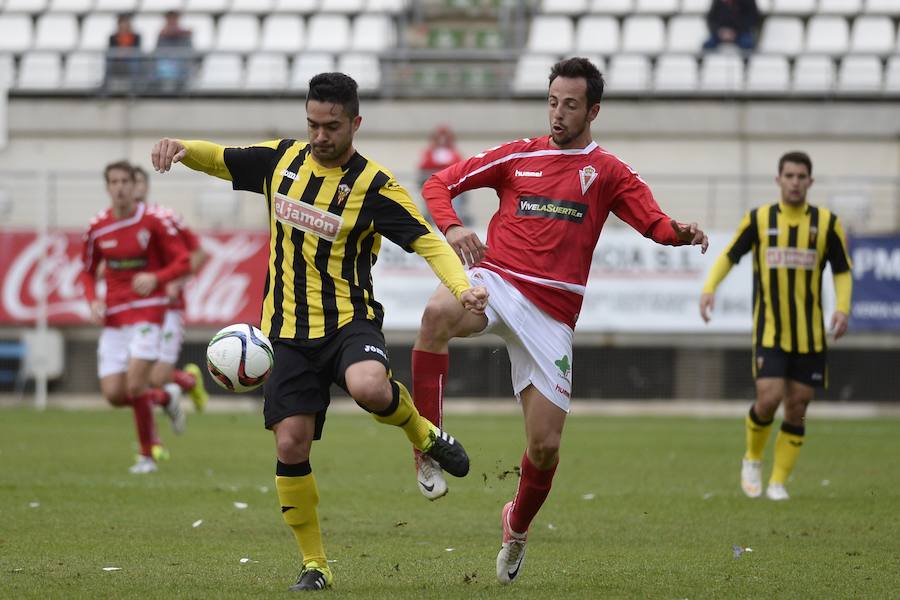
(664, 140)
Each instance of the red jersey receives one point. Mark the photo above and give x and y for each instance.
(190, 239)
(141, 242)
(553, 204)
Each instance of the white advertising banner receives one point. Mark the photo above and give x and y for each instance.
(4, 124)
(635, 286)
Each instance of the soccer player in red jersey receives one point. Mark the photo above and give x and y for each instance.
(556, 193)
(189, 380)
(141, 252)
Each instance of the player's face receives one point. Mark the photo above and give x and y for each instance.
(330, 132)
(120, 187)
(794, 181)
(141, 187)
(570, 115)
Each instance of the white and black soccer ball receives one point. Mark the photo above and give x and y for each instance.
(240, 357)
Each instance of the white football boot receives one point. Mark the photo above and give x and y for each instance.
(751, 478)
(776, 491)
(144, 465)
(174, 408)
(512, 551)
(430, 477)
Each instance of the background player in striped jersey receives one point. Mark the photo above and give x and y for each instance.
(141, 253)
(190, 379)
(791, 241)
(329, 207)
(556, 193)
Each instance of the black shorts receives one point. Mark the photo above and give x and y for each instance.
(300, 383)
(810, 369)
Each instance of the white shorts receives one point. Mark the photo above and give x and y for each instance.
(539, 346)
(172, 337)
(120, 344)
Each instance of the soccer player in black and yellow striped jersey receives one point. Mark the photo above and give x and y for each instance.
(791, 241)
(329, 207)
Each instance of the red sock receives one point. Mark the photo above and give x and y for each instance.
(143, 420)
(534, 485)
(184, 380)
(158, 396)
(429, 373)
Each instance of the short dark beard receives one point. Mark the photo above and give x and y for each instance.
(567, 139)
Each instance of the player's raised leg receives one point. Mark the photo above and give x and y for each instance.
(543, 428)
(390, 403)
(444, 318)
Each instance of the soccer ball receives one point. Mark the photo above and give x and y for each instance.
(240, 357)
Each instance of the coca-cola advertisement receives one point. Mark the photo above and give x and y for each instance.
(228, 289)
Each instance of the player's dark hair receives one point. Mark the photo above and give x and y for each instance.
(119, 165)
(575, 67)
(336, 88)
(800, 158)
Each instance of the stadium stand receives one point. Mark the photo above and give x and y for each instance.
(423, 46)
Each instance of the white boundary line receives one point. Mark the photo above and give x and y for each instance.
(650, 408)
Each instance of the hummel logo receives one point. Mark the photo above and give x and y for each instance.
(529, 173)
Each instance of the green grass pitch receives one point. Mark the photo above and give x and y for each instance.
(640, 508)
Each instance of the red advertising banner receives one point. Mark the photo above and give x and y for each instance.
(228, 289)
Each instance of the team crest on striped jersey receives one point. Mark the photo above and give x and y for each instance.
(587, 175)
(343, 192)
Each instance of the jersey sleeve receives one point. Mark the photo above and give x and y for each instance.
(747, 235)
(633, 202)
(836, 249)
(176, 257)
(484, 170)
(246, 167)
(443, 261)
(90, 260)
(396, 216)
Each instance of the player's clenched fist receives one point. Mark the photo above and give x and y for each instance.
(167, 152)
(475, 299)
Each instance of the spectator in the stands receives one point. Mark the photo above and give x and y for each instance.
(732, 22)
(440, 154)
(174, 53)
(123, 60)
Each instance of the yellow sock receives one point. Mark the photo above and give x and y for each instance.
(299, 498)
(787, 449)
(757, 435)
(402, 413)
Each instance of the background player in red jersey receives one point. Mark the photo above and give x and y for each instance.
(556, 193)
(141, 253)
(190, 379)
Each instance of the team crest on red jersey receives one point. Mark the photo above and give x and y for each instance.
(587, 175)
(143, 237)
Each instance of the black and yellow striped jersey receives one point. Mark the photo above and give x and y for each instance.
(326, 229)
(790, 246)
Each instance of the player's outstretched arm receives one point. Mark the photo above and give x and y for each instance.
(166, 152)
(690, 233)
